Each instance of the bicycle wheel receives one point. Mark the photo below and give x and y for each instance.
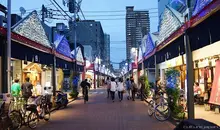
(162, 112)
(151, 108)
(16, 119)
(47, 113)
(32, 120)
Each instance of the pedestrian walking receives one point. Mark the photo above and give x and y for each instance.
(120, 88)
(113, 89)
(134, 89)
(27, 89)
(128, 87)
(108, 83)
(16, 89)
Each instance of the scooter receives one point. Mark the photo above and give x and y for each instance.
(61, 100)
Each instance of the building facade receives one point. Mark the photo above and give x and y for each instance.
(137, 25)
(89, 32)
(107, 49)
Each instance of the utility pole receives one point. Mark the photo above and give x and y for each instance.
(9, 45)
(43, 10)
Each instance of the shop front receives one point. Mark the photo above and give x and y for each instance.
(205, 56)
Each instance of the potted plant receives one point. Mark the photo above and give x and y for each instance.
(146, 83)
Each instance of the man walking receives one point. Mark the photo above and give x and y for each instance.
(85, 86)
(27, 89)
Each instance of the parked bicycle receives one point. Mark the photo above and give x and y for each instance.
(9, 121)
(36, 108)
(160, 110)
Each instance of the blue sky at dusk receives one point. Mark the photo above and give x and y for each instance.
(116, 28)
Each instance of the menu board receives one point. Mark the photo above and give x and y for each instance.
(215, 93)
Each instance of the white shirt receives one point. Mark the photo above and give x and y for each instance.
(120, 86)
(113, 86)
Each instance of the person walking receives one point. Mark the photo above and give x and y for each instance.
(113, 89)
(27, 89)
(120, 89)
(85, 86)
(16, 89)
(133, 89)
(108, 83)
(128, 87)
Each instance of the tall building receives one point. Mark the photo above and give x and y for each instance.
(137, 25)
(89, 32)
(107, 48)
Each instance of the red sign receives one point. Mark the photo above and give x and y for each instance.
(215, 94)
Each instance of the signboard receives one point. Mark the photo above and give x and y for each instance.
(62, 45)
(215, 93)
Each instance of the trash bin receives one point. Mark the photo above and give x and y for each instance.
(196, 124)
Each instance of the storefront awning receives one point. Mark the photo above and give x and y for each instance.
(22, 52)
(60, 63)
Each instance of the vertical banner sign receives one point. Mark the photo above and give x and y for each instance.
(215, 94)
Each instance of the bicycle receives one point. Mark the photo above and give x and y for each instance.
(9, 121)
(85, 95)
(28, 114)
(161, 111)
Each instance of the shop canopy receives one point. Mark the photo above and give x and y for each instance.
(200, 4)
(32, 28)
(171, 21)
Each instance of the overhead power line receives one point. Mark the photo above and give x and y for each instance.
(30, 10)
(104, 11)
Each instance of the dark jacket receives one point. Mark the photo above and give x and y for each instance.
(85, 84)
(26, 89)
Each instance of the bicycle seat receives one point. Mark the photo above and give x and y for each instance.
(31, 106)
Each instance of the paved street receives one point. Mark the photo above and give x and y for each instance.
(102, 114)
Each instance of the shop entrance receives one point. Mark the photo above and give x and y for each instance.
(33, 71)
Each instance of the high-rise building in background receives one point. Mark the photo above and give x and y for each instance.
(89, 32)
(137, 25)
(107, 49)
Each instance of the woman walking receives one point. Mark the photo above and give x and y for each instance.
(108, 82)
(113, 89)
(121, 89)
